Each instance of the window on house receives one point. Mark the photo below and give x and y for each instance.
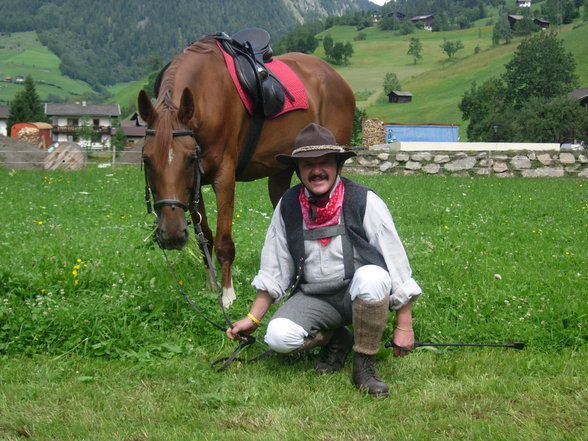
(73, 122)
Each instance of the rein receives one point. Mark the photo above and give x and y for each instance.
(198, 172)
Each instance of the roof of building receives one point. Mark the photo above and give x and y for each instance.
(4, 112)
(401, 93)
(579, 93)
(56, 109)
(421, 17)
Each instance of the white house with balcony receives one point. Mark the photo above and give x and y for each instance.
(4, 113)
(89, 125)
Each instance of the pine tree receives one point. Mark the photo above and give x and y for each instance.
(26, 106)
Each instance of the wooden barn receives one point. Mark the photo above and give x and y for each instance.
(399, 96)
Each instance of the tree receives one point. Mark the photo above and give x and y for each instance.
(26, 106)
(490, 115)
(451, 47)
(328, 44)
(415, 49)
(560, 120)
(502, 31)
(391, 83)
(341, 53)
(540, 67)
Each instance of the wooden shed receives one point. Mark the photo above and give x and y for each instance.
(36, 133)
(399, 96)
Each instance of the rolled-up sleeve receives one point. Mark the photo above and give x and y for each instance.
(276, 267)
(381, 233)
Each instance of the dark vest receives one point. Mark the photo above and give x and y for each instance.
(354, 207)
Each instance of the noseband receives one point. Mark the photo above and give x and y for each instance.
(198, 172)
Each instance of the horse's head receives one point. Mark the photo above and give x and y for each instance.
(170, 161)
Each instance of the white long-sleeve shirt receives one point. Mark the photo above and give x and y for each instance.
(325, 263)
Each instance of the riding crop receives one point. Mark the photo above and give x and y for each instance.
(417, 344)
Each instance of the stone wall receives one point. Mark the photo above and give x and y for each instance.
(527, 164)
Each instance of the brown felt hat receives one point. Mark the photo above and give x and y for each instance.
(312, 142)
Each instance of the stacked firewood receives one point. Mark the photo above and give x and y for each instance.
(373, 132)
(29, 135)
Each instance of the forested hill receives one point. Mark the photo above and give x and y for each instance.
(111, 41)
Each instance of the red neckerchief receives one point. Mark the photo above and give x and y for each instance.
(327, 210)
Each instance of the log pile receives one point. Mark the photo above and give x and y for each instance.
(29, 135)
(373, 132)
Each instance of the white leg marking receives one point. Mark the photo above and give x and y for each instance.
(228, 295)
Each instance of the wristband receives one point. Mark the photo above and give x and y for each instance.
(254, 319)
(405, 330)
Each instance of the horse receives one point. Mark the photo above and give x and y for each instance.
(199, 121)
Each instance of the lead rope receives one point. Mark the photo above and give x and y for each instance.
(203, 244)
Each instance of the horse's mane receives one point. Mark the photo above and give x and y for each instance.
(166, 109)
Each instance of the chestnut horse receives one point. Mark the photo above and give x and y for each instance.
(199, 118)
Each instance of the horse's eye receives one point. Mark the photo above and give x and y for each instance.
(192, 158)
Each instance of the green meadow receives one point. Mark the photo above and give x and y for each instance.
(96, 342)
(21, 54)
(436, 82)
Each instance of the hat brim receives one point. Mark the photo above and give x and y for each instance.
(291, 160)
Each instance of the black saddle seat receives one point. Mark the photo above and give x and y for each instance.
(259, 40)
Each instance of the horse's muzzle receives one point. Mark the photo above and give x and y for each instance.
(175, 241)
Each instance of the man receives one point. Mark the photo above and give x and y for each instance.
(332, 243)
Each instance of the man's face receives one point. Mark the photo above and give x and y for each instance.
(318, 174)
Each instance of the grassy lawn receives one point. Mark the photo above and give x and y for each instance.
(97, 344)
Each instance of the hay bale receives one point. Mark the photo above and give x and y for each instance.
(373, 132)
(66, 156)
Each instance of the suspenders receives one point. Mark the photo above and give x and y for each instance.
(336, 230)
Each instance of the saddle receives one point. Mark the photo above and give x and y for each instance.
(250, 50)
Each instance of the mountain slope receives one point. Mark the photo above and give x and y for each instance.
(108, 42)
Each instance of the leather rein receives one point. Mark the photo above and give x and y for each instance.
(203, 244)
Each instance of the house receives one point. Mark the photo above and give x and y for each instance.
(70, 121)
(514, 18)
(399, 96)
(134, 131)
(399, 15)
(524, 3)
(4, 113)
(543, 24)
(425, 19)
(581, 95)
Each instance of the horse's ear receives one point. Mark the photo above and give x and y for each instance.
(146, 109)
(186, 107)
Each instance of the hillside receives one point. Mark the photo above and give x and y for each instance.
(436, 82)
(108, 42)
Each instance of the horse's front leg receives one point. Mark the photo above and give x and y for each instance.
(224, 187)
(199, 218)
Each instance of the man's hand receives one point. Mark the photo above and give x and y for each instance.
(245, 326)
(404, 338)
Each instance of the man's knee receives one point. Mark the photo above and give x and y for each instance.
(284, 336)
(370, 283)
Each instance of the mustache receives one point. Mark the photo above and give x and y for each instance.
(318, 177)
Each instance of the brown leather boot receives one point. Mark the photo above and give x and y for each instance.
(365, 376)
(369, 321)
(334, 354)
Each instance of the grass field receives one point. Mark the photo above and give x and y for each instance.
(97, 344)
(22, 54)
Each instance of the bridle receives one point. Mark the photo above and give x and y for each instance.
(203, 243)
(198, 172)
